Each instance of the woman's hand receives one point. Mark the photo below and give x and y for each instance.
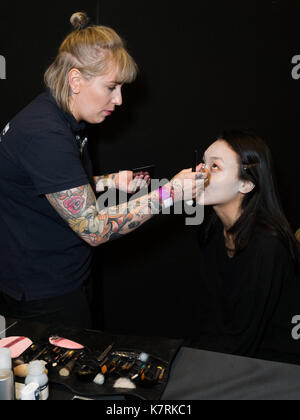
(125, 181)
(189, 185)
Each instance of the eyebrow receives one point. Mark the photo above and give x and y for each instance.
(215, 158)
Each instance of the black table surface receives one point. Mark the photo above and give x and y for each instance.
(203, 375)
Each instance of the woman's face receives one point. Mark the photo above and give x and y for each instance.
(224, 185)
(94, 100)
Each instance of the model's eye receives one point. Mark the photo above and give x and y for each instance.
(215, 167)
(112, 88)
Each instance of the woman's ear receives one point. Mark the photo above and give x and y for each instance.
(75, 78)
(246, 187)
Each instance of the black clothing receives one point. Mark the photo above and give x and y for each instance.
(245, 305)
(41, 257)
(71, 310)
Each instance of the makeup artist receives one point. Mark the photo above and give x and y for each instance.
(248, 287)
(49, 221)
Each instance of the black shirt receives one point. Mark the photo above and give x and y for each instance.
(245, 305)
(41, 257)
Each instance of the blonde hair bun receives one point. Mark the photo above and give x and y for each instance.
(79, 20)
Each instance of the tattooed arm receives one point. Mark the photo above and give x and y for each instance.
(124, 181)
(78, 207)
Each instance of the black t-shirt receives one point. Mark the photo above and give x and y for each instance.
(41, 257)
(245, 305)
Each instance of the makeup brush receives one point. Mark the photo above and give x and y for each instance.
(66, 370)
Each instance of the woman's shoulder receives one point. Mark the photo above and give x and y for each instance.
(40, 115)
(267, 243)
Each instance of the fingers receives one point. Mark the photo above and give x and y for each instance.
(142, 180)
(200, 167)
(100, 187)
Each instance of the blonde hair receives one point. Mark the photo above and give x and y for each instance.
(91, 50)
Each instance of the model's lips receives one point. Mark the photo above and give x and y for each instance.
(108, 112)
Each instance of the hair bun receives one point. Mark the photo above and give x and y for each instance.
(80, 20)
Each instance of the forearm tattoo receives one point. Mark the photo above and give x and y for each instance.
(78, 208)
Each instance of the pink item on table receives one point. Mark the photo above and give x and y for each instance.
(65, 344)
(16, 345)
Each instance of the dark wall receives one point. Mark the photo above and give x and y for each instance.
(204, 66)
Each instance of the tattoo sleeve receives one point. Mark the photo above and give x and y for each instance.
(78, 207)
(103, 182)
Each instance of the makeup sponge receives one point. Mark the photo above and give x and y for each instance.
(17, 345)
(64, 343)
(124, 383)
(99, 380)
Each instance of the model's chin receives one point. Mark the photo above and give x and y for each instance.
(208, 201)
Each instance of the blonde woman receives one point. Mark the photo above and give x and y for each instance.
(49, 221)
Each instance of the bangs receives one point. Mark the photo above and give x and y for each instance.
(127, 69)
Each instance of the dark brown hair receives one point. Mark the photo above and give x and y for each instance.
(261, 207)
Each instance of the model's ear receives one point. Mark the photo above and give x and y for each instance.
(75, 79)
(246, 187)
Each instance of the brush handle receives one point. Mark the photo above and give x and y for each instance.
(66, 370)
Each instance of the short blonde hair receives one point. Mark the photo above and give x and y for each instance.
(91, 50)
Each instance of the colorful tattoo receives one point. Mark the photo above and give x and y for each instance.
(78, 207)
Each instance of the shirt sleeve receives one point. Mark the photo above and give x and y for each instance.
(52, 161)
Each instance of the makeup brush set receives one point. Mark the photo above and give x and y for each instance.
(112, 370)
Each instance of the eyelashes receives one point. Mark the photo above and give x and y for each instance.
(213, 167)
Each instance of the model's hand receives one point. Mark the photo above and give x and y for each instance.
(125, 181)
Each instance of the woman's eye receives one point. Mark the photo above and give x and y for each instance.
(214, 167)
(111, 88)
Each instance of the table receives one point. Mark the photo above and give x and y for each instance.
(203, 375)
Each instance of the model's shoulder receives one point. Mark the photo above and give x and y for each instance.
(268, 243)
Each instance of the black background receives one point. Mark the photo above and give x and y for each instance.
(204, 66)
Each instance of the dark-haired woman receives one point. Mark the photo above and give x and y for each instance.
(248, 288)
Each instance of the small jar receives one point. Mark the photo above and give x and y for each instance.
(37, 375)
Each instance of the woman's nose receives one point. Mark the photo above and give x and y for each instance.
(118, 100)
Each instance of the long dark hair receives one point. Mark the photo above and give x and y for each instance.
(261, 207)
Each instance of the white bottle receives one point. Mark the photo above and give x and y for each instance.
(7, 386)
(31, 392)
(37, 375)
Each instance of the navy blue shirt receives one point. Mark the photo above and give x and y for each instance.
(40, 255)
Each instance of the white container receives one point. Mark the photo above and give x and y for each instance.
(37, 375)
(30, 392)
(7, 386)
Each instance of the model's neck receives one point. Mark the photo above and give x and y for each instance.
(228, 213)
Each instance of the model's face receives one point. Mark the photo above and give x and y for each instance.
(224, 185)
(94, 100)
